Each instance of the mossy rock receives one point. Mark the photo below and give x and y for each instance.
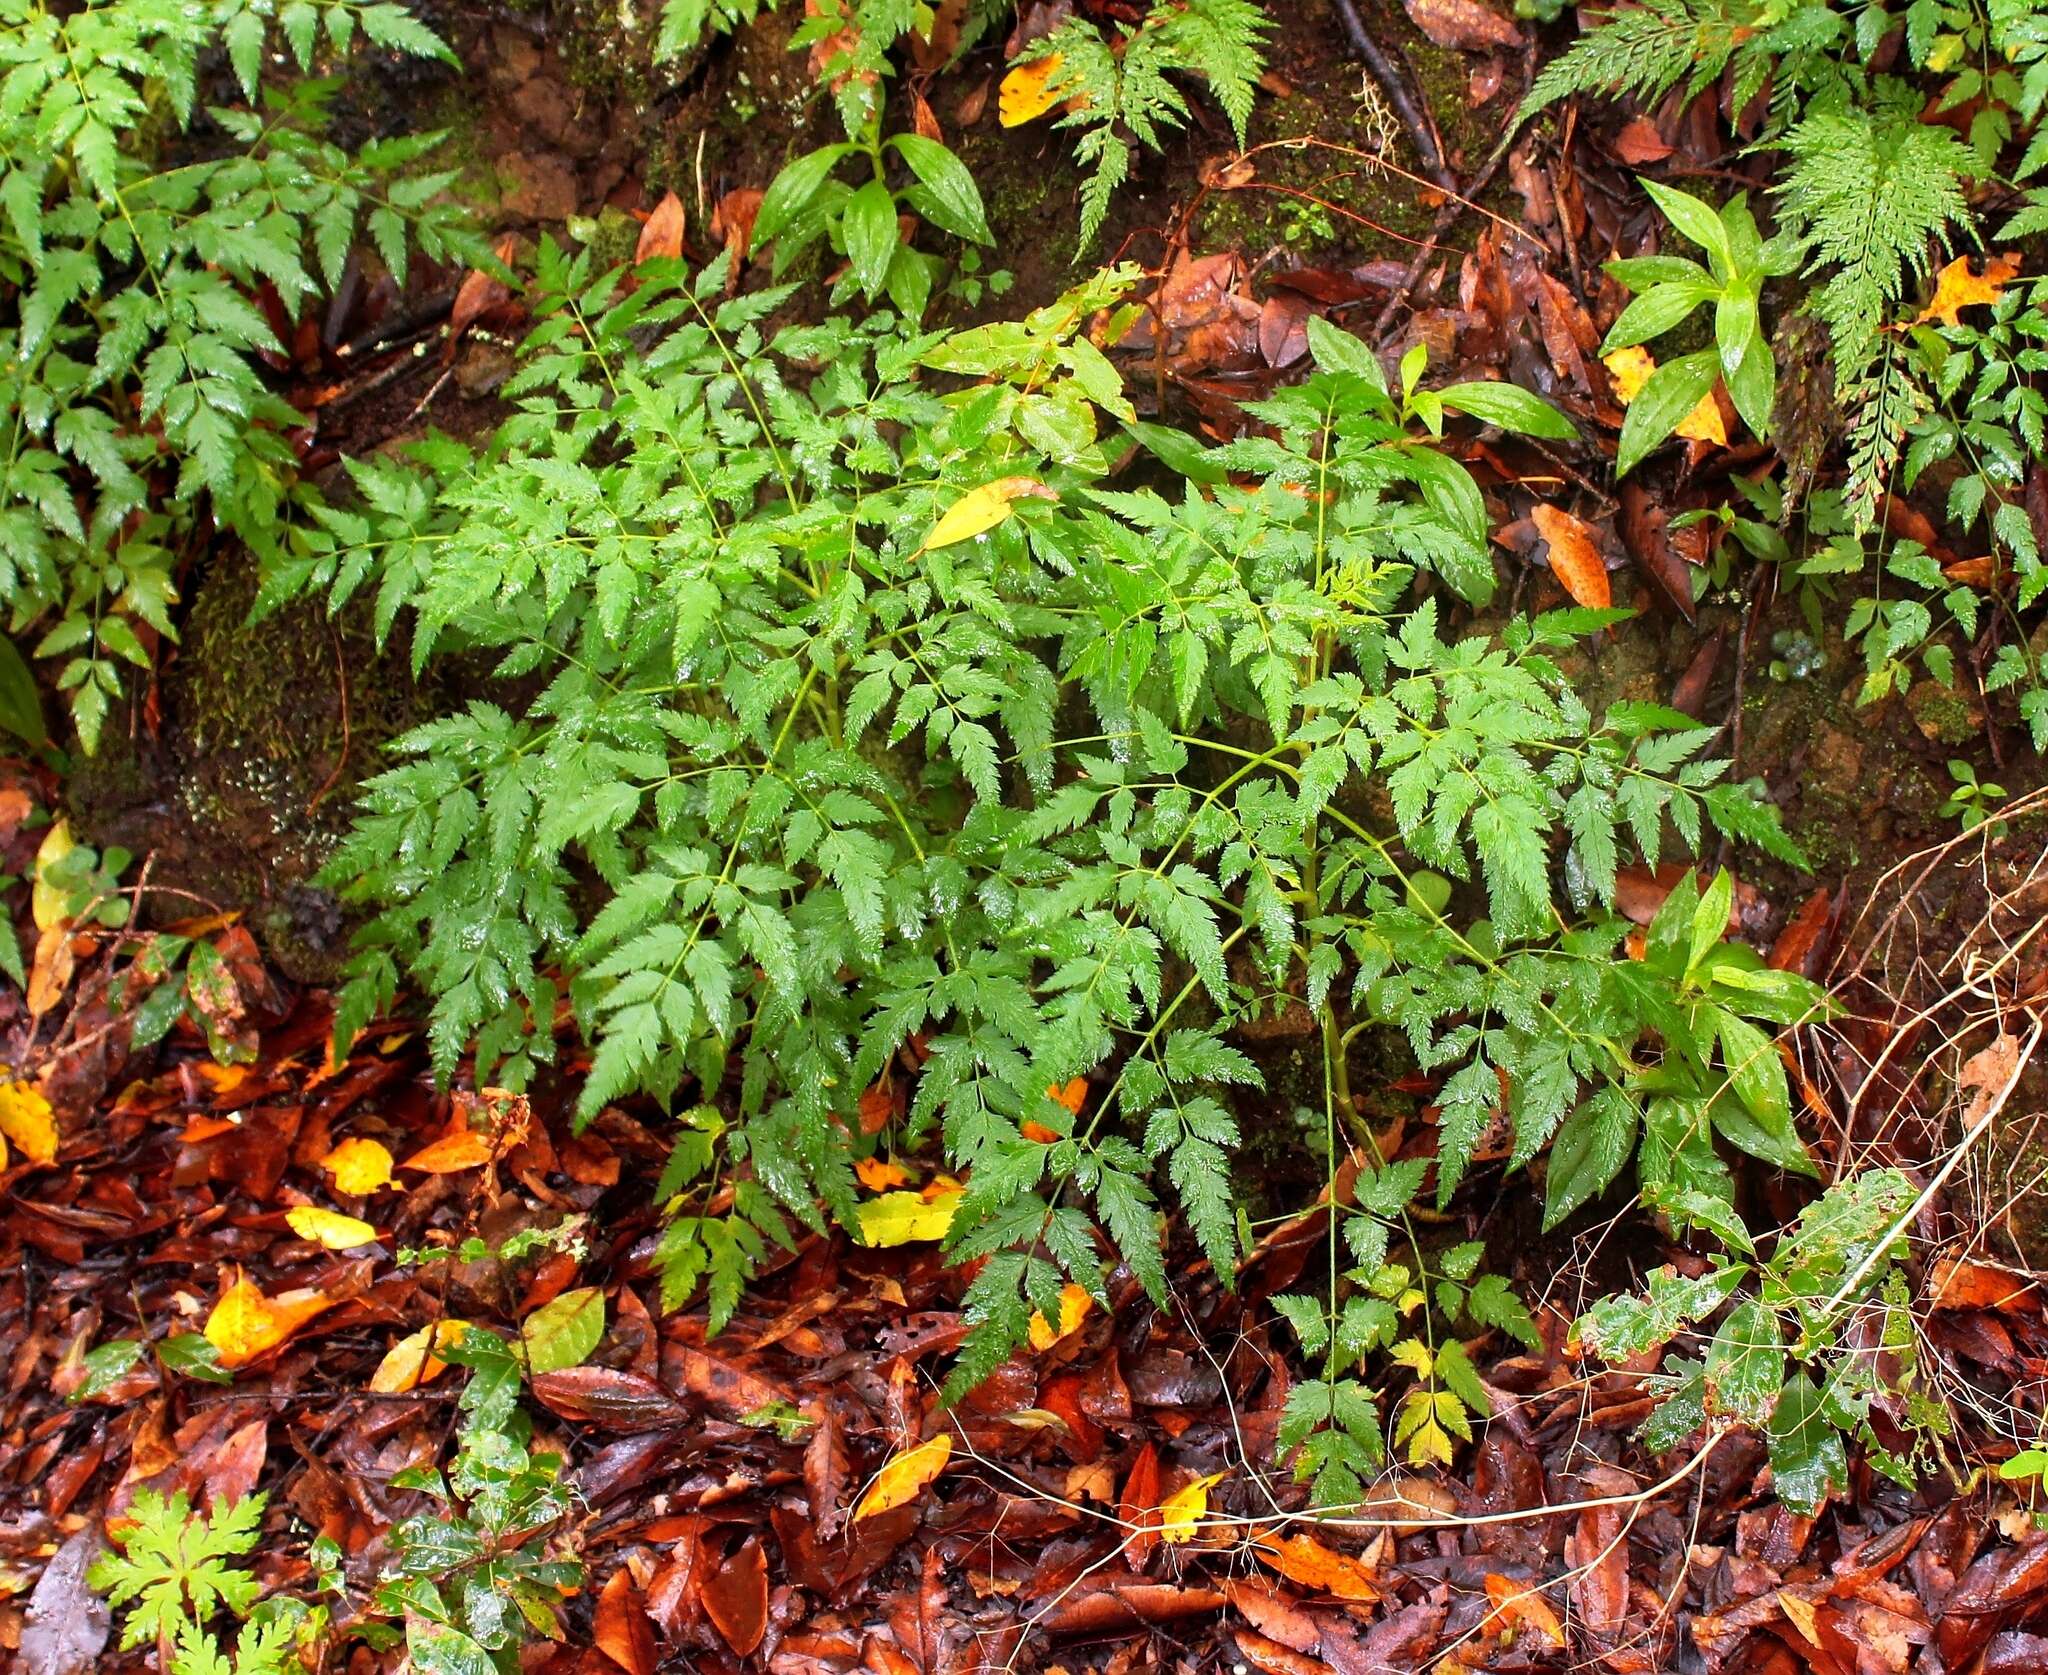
(247, 787)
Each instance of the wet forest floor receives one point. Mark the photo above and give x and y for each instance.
(715, 1538)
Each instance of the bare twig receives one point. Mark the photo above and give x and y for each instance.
(1421, 132)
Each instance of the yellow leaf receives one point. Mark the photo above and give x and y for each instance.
(25, 1119)
(1185, 1509)
(1631, 368)
(358, 1167)
(329, 1227)
(907, 1218)
(245, 1323)
(1074, 1306)
(46, 901)
(1956, 287)
(411, 1361)
(902, 1480)
(1024, 95)
(980, 510)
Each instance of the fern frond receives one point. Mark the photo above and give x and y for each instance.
(1646, 52)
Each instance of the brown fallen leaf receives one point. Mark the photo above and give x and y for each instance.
(1574, 556)
(1138, 1510)
(1960, 1283)
(735, 1597)
(727, 1385)
(662, 233)
(1464, 25)
(1645, 533)
(1518, 1606)
(610, 1399)
(1124, 1605)
(622, 1631)
(1639, 143)
(1305, 1561)
(1273, 1658)
(1802, 944)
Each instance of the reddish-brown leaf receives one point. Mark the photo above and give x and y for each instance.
(1802, 944)
(1646, 534)
(1574, 556)
(609, 1399)
(622, 1631)
(662, 233)
(735, 1597)
(725, 1384)
(1464, 25)
(1639, 143)
(1959, 1283)
(1127, 1605)
(1272, 1658)
(1138, 1509)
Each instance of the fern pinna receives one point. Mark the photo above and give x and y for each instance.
(881, 740)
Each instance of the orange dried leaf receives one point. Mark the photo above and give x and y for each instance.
(1025, 93)
(1307, 1562)
(879, 1174)
(1518, 1606)
(460, 1148)
(903, 1479)
(358, 1167)
(1074, 1306)
(1574, 557)
(1071, 1096)
(663, 233)
(1957, 288)
(1038, 1132)
(245, 1324)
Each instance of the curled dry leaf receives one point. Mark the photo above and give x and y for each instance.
(904, 1478)
(662, 233)
(1574, 556)
(245, 1324)
(1959, 1283)
(1463, 25)
(358, 1167)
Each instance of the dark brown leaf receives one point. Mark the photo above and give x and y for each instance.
(613, 1401)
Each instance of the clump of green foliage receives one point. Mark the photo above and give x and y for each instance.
(478, 1574)
(874, 708)
(130, 326)
(1819, 1347)
(1123, 93)
(175, 1571)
